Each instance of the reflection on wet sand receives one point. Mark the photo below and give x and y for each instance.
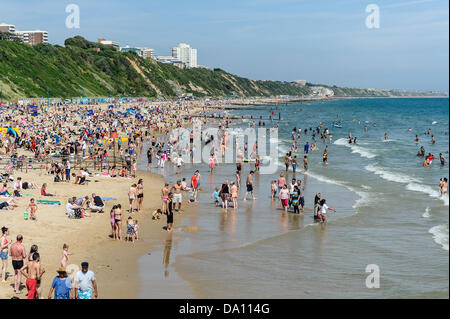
(166, 256)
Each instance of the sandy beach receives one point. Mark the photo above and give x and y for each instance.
(114, 263)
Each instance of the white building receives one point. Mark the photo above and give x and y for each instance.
(185, 54)
(33, 37)
(114, 44)
(4, 27)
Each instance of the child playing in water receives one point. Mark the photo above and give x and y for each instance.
(273, 187)
(215, 196)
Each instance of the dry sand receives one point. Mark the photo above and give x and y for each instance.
(113, 262)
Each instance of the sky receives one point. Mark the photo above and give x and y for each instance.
(320, 41)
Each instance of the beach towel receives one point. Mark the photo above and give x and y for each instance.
(108, 198)
(48, 202)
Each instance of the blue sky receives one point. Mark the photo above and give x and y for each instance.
(319, 41)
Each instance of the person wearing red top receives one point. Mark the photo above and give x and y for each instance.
(43, 190)
(194, 186)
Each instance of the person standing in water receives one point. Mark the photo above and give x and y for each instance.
(323, 211)
(305, 163)
(249, 183)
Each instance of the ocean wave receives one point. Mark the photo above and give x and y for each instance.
(325, 179)
(390, 176)
(427, 213)
(427, 190)
(440, 235)
(434, 122)
(363, 152)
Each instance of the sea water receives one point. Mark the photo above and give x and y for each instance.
(389, 212)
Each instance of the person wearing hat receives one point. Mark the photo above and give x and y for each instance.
(85, 282)
(62, 285)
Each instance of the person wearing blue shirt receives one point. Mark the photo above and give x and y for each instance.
(62, 285)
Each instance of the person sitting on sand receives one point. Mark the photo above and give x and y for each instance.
(9, 204)
(43, 190)
(4, 190)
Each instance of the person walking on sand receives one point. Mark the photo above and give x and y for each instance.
(18, 254)
(132, 197)
(249, 183)
(85, 282)
(169, 213)
(33, 273)
(140, 194)
(61, 285)
(4, 247)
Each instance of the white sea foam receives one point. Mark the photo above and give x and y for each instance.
(434, 122)
(440, 235)
(427, 213)
(427, 190)
(324, 179)
(390, 176)
(363, 152)
(366, 187)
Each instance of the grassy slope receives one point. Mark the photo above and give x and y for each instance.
(27, 71)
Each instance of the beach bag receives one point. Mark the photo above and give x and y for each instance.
(77, 213)
(17, 193)
(25, 215)
(57, 179)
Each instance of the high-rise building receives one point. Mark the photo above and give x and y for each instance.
(4, 27)
(33, 37)
(185, 54)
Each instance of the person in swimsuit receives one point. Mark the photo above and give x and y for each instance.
(164, 197)
(65, 256)
(234, 195)
(323, 211)
(32, 208)
(250, 186)
(305, 163)
(224, 193)
(325, 155)
(113, 222)
(33, 273)
(118, 222)
(4, 248)
(130, 229)
(132, 196)
(140, 194)
(317, 200)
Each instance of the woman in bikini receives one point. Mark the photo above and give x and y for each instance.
(140, 194)
(113, 222)
(118, 221)
(164, 197)
(132, 196)
(4, 247)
